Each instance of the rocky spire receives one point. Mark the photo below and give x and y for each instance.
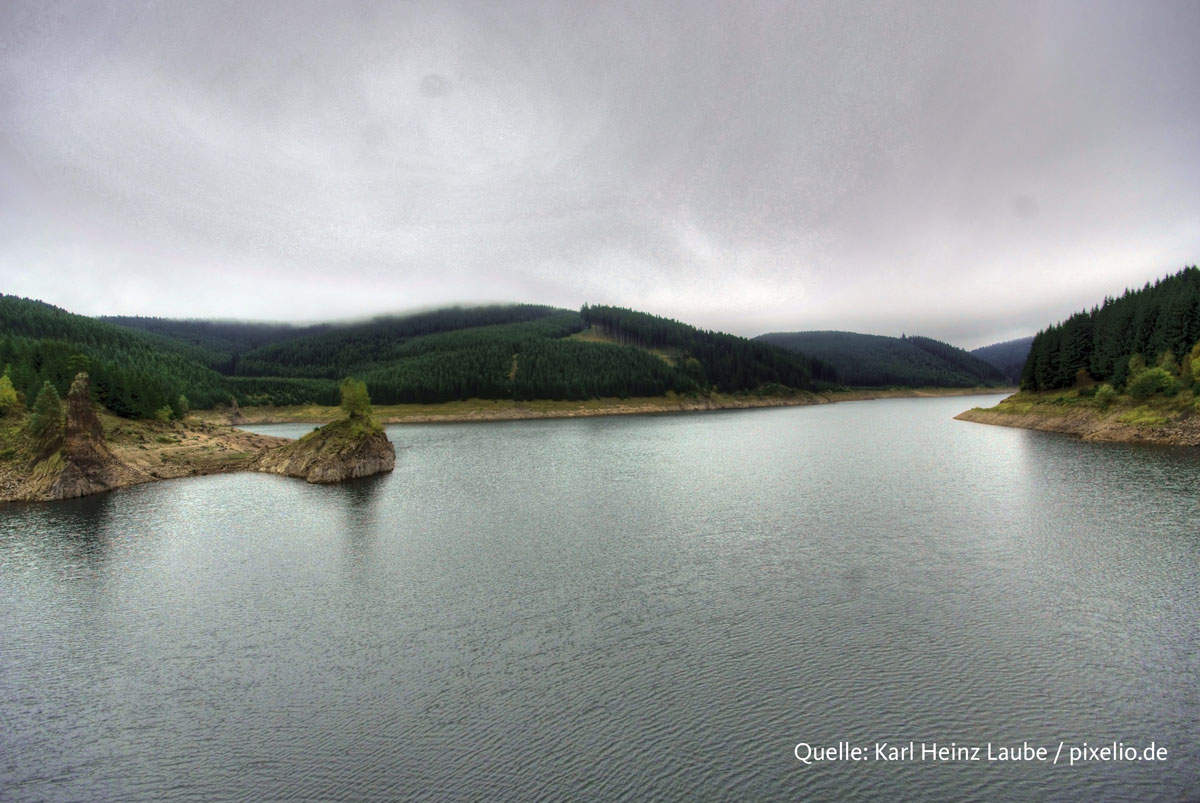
(82, 421)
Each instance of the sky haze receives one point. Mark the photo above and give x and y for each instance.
(967, 171)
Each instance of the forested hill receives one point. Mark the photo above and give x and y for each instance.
(727, 362)
(880, 361)
(339, 349)
(1151, 334)
(133, 373)
(225, 342)
(220, 341)
(150, 367)
(1008, 356)
(523, 352)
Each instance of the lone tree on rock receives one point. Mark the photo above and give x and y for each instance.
(355, 401)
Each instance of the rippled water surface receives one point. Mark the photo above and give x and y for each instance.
(653, 608)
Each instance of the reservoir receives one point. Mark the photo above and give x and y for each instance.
(640, 607)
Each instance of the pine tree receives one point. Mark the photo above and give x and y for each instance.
(46, 418)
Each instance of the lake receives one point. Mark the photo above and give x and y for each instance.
(660, 608)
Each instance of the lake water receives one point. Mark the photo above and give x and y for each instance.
(656, 608)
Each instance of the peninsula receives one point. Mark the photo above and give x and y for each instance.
(1128, 370)
(54, 453)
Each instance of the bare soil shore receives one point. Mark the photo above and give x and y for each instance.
(505, 410)
(144, 451)
(1169, 422)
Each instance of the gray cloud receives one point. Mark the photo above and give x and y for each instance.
(969, 171)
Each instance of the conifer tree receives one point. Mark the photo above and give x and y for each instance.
(8, 394)
(46, 418)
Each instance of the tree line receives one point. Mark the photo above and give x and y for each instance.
(1156, 326)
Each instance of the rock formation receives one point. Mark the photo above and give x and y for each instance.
(84, 465)
(235, 415)
(346, 449)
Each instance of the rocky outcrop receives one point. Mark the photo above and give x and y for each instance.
(346, 449)
(235, 415)
(84, 465)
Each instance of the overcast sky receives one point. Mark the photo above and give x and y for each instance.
(966, 170)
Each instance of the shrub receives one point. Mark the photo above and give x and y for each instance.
(1105, 394)
(1149, 382)
(1167, 363)
(8, 395)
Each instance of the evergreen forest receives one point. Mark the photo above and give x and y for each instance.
(152, 367)
(1141, 342)
(878, 361)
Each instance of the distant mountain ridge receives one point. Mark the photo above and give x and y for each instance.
(1008, 356)
(880, 361)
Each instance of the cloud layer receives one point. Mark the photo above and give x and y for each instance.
(968, 171)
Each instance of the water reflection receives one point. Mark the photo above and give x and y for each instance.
(359, 502)
(69, 536)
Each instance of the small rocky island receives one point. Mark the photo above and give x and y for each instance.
(355, 446)
(56, 453)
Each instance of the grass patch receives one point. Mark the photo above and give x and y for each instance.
(1142, 417)
(1154, 411)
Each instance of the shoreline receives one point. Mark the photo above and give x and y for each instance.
(149, 451)
(208, 443)
(1148, 423)
(476, 410)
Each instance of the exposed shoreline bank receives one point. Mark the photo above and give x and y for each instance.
(1154, 422)
(502, 410)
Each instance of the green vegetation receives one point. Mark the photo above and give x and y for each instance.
(1090, 374)
(133, 373)
(338, 351)
(878, 361)
(219, 342)
(355, 401)
(155, 369)
(1096, 407)
(722, 362)
(1112, 343)
(8, 395)
(46, 419)
(1149, 381)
